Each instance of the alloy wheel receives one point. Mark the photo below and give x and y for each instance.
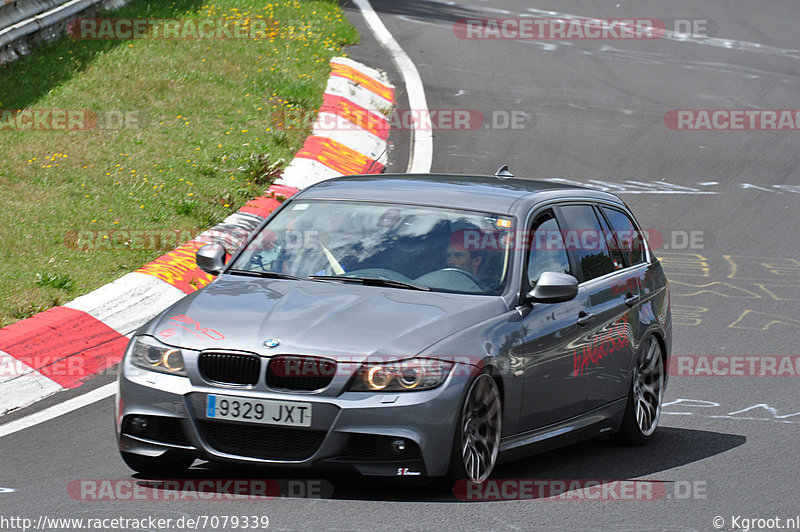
(480, 429)
(648, 387)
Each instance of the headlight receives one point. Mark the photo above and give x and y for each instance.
(401, 376)
(149, 353)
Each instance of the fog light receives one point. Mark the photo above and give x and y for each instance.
(139, 424)
(399, 446)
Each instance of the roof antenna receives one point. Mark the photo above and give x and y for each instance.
(504, 172)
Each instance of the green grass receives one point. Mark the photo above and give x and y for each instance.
(58, 281)
(201, 135)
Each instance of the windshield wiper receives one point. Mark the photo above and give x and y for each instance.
(269, 275)
(370, 281)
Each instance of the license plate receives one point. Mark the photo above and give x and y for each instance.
(266, 411)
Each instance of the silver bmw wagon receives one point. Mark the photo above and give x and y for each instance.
(407, 325)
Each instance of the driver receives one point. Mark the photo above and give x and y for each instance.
(463, 252)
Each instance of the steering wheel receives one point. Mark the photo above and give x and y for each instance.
(471, 276)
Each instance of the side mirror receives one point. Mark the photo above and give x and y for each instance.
(211, 258)
(554, 287)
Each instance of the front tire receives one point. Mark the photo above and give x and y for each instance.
(645, 396)
(476, 442)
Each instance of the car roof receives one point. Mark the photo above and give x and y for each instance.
(469, 192)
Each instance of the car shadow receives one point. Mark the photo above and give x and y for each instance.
(600, 461)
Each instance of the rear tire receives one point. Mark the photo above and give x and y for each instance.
(645, 396)
(164, 465)
(476, 442)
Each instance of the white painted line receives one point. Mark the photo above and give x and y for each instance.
(421, 156)
(21, 385)
(59, 410)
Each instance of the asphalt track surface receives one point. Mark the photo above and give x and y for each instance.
(590, 110)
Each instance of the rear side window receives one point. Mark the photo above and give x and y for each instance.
(629, 240)
(584, 238)
(611, 243)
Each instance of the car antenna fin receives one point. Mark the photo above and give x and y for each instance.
(503, 172)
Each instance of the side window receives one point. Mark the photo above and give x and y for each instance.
(629, 240)
(611, 243)
(547, 252)
(584, 238)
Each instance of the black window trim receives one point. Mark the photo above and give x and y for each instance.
(645, 246)
(554, 204)
(594, 203)
(598, 212)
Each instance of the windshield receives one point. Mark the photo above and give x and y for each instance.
(433, 248)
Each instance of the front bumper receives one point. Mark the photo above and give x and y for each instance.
(352, 430)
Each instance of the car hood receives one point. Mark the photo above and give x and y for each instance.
(328, 319)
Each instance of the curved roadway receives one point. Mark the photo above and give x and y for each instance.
(724, 205)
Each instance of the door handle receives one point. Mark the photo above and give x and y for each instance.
(631, 299)
(584, 318)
